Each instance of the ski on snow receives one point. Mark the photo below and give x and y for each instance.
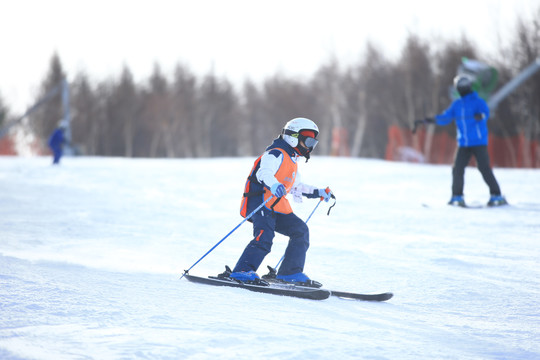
(271, 278)
(264, 287)
(269, 285)
(473, 205)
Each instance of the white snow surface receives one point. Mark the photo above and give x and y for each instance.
(91, 254)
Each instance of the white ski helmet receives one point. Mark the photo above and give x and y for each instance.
(292, 129)
(301, 129)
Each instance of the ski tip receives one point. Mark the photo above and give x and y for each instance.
(381, 297)
(364, 297)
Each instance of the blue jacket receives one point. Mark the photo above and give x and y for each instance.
(57, 139)
(470, 132)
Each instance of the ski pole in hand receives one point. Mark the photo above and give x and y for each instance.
(427, 120)
(316, 206)
(328, 191)
(415, 126)
(226, 236)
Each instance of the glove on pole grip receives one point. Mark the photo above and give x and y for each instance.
(328, 191)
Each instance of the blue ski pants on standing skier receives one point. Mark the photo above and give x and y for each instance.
(265, 225)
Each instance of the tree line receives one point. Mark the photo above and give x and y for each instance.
(186, 115)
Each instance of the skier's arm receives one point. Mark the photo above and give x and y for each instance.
(447, 116)
(270, 163)
(482, 113)
(300, 189)
(269, 166)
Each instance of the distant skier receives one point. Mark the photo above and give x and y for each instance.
(470, 113)
(56, 143)
(274, 175)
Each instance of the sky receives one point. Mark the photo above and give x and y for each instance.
(236, 39)
(90, 270)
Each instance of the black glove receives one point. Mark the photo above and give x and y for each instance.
(479, 116)
(430, 120)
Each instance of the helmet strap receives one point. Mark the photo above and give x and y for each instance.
(305, 152)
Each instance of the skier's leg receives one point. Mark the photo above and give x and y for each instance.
(263, 233)
(57, 154)
(482, 159)
(295, 255)
(462, 158)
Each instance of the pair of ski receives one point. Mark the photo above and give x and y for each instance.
(270, 285)
(473, 205)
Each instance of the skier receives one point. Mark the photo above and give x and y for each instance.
(56, 143)
(470, 113)
(274, 175)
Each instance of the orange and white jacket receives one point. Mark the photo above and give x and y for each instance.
(279, 163)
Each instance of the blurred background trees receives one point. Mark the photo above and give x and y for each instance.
(355, 106)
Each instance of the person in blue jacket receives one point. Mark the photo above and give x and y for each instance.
(56, 143)
(470, 113)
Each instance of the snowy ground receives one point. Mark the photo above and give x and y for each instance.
(91, 253)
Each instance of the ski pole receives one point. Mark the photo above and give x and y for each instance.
(316, 206)
(226, 236)
(309, 217)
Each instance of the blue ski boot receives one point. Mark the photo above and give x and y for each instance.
(246, 277)
(497, 200)
(299, 279)
(457, 200)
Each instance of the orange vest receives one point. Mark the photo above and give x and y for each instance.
(286, 175)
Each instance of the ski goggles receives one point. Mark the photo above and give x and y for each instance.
(308, 141)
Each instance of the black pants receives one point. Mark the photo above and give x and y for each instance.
(463, 156)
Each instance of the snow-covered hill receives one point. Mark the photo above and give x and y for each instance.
(91, 253)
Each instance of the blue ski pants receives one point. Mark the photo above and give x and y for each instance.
(265, 225)
(57, 154)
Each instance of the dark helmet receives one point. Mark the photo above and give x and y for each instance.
(463, 84)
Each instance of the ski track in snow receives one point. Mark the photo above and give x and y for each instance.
(91, 253)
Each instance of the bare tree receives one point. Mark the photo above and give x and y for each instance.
(126, 110)
(285, 99)
(4, 111)
(377, 98)
(213, 129)
(331, 107)
(184, 105)
(249, 134)
(203, 117)
(86, 122)
(519, 113)
(48, 115)
(158, 116)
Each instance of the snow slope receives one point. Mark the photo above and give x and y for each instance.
(91, 253)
